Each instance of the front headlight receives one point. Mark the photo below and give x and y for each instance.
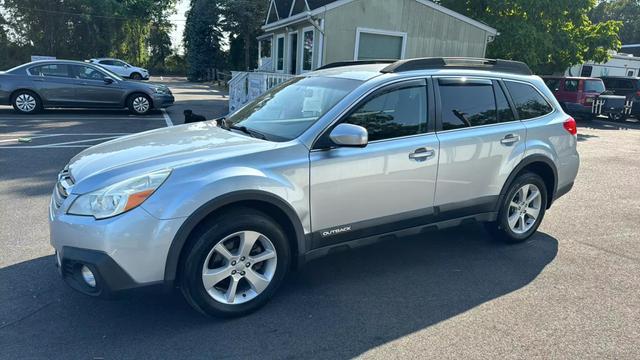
(120, 197)
(161, 90)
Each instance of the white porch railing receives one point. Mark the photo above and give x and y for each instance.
(246, 86)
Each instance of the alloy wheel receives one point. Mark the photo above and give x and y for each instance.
(524, 208)
(26, 103)
(141, 104)
(239, 267)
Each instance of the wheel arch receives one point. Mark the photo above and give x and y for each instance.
(538, 164)
(268, 203)
(16, 91)
(138, 92)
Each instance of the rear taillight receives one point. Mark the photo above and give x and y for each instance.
(638, 93)
(571, 126)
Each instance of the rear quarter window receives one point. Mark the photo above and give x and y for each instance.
(594, 86)
(528, 101)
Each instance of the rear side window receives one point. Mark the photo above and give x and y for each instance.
(528, 101)
(571, 85)
(594, 86)
(393, 113)
(466, 104)
(53, 70)
(625, 84)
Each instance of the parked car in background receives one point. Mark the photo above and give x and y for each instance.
(339, 157)
(122, 68)
(576, 95)
(73, 84)
(628, 87)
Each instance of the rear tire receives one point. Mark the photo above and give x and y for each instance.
(236, 264)
(26, 102)
(139, 104)
(522, 209)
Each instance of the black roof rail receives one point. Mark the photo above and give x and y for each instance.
(354, 63)
(507, 66)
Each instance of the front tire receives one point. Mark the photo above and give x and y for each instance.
(136, 76)
(522, 209)
(236, 264)
(26, 102)
(139, 104)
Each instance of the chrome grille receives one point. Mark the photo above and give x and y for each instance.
(63, 187)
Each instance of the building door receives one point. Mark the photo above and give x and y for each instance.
(293, 53)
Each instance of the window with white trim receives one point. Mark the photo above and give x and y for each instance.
(280, 54)
(307, 49)
(379, 44)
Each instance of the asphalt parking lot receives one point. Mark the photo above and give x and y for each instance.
(573, 291)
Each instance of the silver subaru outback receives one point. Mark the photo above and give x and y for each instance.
(337, 157)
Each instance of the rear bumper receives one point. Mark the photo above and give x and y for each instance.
(562, 191)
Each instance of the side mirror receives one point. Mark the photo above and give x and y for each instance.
(349, 135)
(108, 80)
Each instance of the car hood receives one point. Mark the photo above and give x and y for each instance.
(170, 147)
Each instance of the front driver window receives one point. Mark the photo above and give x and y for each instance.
(87, 73)
(397, 112)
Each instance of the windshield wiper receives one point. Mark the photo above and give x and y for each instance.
(225, 125)
(249, 132)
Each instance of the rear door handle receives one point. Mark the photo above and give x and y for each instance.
(510, 139)
(422, 154)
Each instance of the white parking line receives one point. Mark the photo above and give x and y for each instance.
(77, 118)
(167, 119)
(46, 147)
(21, 135)
(66, 144)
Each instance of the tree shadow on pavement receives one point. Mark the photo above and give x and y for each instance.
(339, 306)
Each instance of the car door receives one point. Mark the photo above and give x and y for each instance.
(387, 185)
(54, 83)
(481, 142)
(96, 88)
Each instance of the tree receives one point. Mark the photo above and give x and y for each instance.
(626, 11)
(549, 35)
(82, 29)
(203, 39)
(244, 19)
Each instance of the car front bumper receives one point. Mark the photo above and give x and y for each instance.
(123, 252)
(163, 100)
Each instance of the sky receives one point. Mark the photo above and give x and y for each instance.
(178, 20)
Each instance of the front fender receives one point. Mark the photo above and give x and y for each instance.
(180, 199)
(179, 241)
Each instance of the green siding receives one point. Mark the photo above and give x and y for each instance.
(429, 32)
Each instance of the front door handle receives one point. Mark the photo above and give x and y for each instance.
(422, 154)
(510, 139)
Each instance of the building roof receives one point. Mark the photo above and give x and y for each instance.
(288, 11)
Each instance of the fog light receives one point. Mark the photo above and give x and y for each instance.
(88, 277)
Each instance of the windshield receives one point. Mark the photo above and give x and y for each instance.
(286, 111)
(596, 86)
